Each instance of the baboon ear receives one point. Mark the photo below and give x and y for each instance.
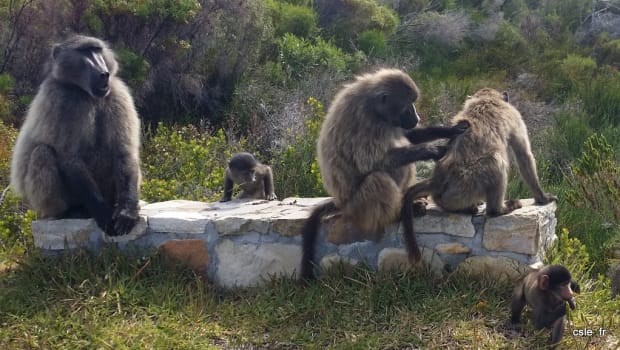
(543, 282)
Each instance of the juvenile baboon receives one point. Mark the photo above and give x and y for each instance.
(254, 179)
(77, 154)
(475, 167)
(366, 148)
(546, 291)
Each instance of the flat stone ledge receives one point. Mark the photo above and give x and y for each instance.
(243, 243)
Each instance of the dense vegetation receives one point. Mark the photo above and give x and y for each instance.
(212, 77)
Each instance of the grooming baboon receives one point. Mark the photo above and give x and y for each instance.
(475, 167)
(254, 179)
(365, 149)
(546, 291)
(77, 154)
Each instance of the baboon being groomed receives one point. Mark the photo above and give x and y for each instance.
(475, 167)
(77, 153)
(366, 148)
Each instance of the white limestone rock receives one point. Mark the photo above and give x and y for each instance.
(77, 233)
(494, 267)
(396, 258)
(329, 261)
(248, 265)
(438, 221)
(519, 231)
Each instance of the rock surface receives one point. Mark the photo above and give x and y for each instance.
(243, 243)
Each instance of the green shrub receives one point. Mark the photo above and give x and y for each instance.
(15, 221)
(607, 50)
(345, 20)
(184, 163)
(15, 224)
(8, 135)
(601, 100)
(576, 71)
(6, 106)
(134, 68)
(571, 253)
(296, 168)
(590, 199)
(299, 56)
(373, 43)
(567, 138)
(298, 20)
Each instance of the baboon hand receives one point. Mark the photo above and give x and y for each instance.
(436, 152)
(460, 127)
(124, 219)
(225, 199)
(272, 197)
(546, 198)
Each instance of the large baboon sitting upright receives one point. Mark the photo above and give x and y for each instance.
(77, 154)
(366, 148)
(475, 167)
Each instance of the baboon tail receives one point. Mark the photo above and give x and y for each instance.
(309, 233)
(411, 244)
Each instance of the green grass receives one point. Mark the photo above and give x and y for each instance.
(113, 301)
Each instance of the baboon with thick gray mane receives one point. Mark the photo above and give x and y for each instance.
(366, 148)
(475, 167)
(77, 154)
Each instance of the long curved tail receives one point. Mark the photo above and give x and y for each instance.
(414, 192)
(309, 233)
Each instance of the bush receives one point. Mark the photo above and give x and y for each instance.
(571, 253)
(298, 20)
(576, 72)
(296, 169)
(184, 163)
(15, 221)
(373, 43)
(300, 56)
(601, 100)
(345, 20)
(6, 106)
(134, 68)
(590, 202)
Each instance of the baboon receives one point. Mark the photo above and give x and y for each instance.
(546, 291)
(366, 148)
(254, 179)
(77, 153)
(475, 167)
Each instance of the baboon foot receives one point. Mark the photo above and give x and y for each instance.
(512, 205)
(509, 206)
(546, 199)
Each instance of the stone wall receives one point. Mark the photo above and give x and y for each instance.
(239, 244)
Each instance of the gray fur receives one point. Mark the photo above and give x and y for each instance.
(366, 149)
(254, 178)
(475, 167)
(77, 152)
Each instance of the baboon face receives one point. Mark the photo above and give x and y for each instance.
(243, 168)
(396, 106)
(84, 63)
